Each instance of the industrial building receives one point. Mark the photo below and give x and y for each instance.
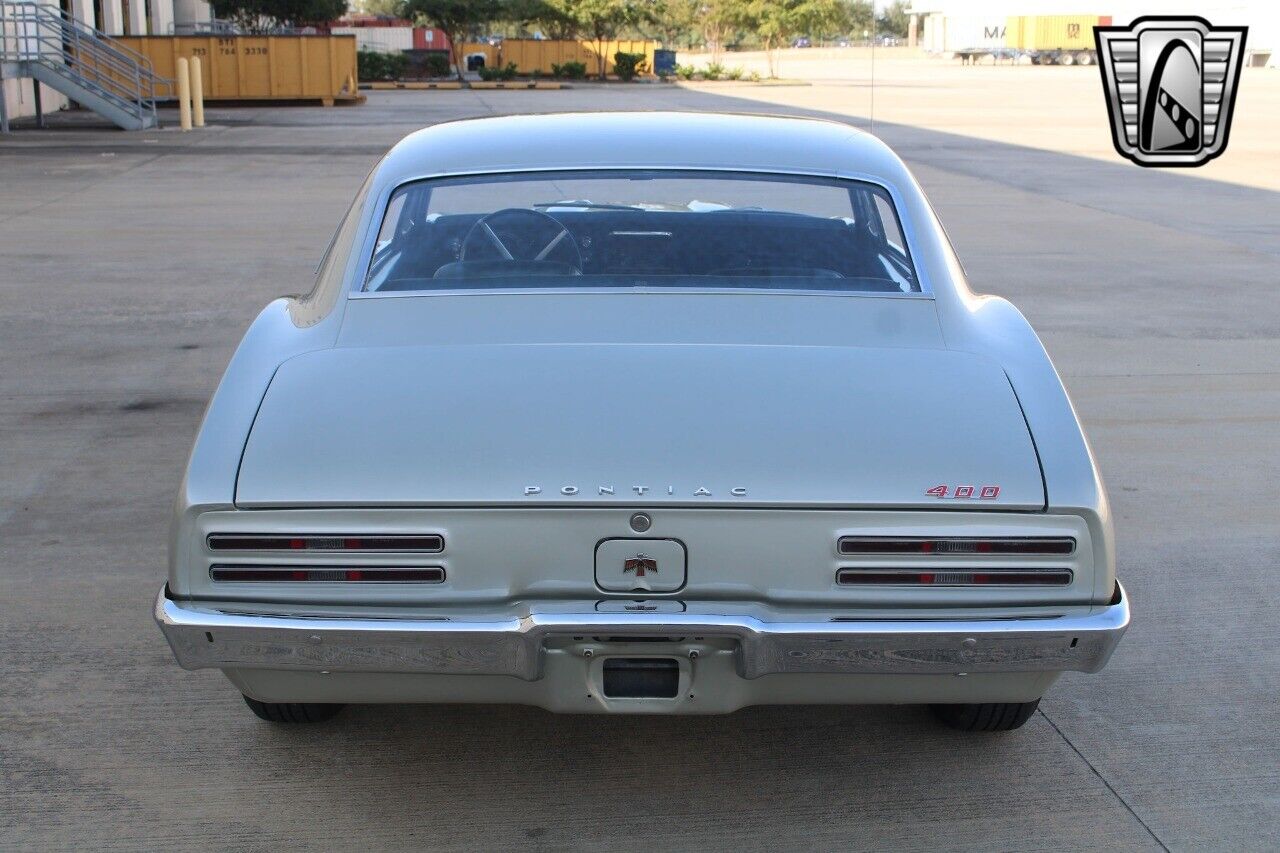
(19, 37)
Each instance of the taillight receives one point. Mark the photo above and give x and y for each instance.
(928, 545)
(330, 574)
(961, 577)
(415, 543)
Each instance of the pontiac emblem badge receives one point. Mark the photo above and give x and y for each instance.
(640, 564)
(1170, 85)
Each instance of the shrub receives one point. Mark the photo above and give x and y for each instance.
(734, 74)
(713, 71)
(426, 64)
(368, 65)
(505, 72)
(754, 76)
(628, 65)
(685, 72)
(569, 70)
(374, 65)
(435, 65)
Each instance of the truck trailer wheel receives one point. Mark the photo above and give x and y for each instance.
(1066, 59)
(292, 712)
(1084, 57)
(986, 716)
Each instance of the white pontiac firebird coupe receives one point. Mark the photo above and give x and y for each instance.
(642, 413)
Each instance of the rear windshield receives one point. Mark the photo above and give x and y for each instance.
(641, 229)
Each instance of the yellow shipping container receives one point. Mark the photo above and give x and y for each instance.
(531, 55)
(1052, 32)
(274, 68)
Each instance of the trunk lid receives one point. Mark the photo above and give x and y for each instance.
(639, 424)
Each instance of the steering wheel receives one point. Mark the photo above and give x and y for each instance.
(520, 234)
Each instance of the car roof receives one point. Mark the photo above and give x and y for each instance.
(657, 140)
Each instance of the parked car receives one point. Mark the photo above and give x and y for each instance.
(802, 42)
(596, 413)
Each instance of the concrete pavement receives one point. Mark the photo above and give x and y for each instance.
(130, 265)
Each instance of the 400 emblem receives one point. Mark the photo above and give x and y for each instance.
(982, 493)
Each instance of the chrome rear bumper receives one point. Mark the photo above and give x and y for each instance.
(208, 638)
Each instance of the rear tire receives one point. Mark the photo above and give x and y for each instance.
(1066, 59)
(986, 716)
(292, 712)
(1084, 57)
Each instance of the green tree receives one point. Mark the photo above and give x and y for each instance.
(387, 8)
(776, 22)
(602, 20)
(264, 16)
(894, 19)
(717, 19)
(549, 17)
(859, 17)
(674, 20)
(457, 18)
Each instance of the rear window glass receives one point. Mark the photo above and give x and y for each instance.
(641, 229)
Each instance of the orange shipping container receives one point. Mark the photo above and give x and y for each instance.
(531, 55)
(277, 68)
(1052, 32)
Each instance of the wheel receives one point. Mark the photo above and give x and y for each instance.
(986, 716)
(1084, 57)
(292, 712)
(1066, 59)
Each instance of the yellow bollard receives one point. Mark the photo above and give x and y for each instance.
(184, 94)
(197, 93)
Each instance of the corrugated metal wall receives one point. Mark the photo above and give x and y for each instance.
(384, 39)
(949, 33)
(1052, 32)
(240, 68)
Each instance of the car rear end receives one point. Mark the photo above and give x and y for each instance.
(564, 526)
(644, 441)
(515, 605)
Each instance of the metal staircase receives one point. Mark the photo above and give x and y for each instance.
(43, 43)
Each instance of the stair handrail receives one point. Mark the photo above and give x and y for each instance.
(106, 40)
(55, 40)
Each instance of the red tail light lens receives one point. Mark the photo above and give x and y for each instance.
(1026, 546)
(963, 577)
(424, 544)
(327, 574)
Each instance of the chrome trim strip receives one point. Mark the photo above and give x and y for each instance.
(210, 638)
(218, 542)
(635, 291)
(437, 573)
(848, 576)
(885, 541)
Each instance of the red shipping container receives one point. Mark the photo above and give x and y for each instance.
(429, 38)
